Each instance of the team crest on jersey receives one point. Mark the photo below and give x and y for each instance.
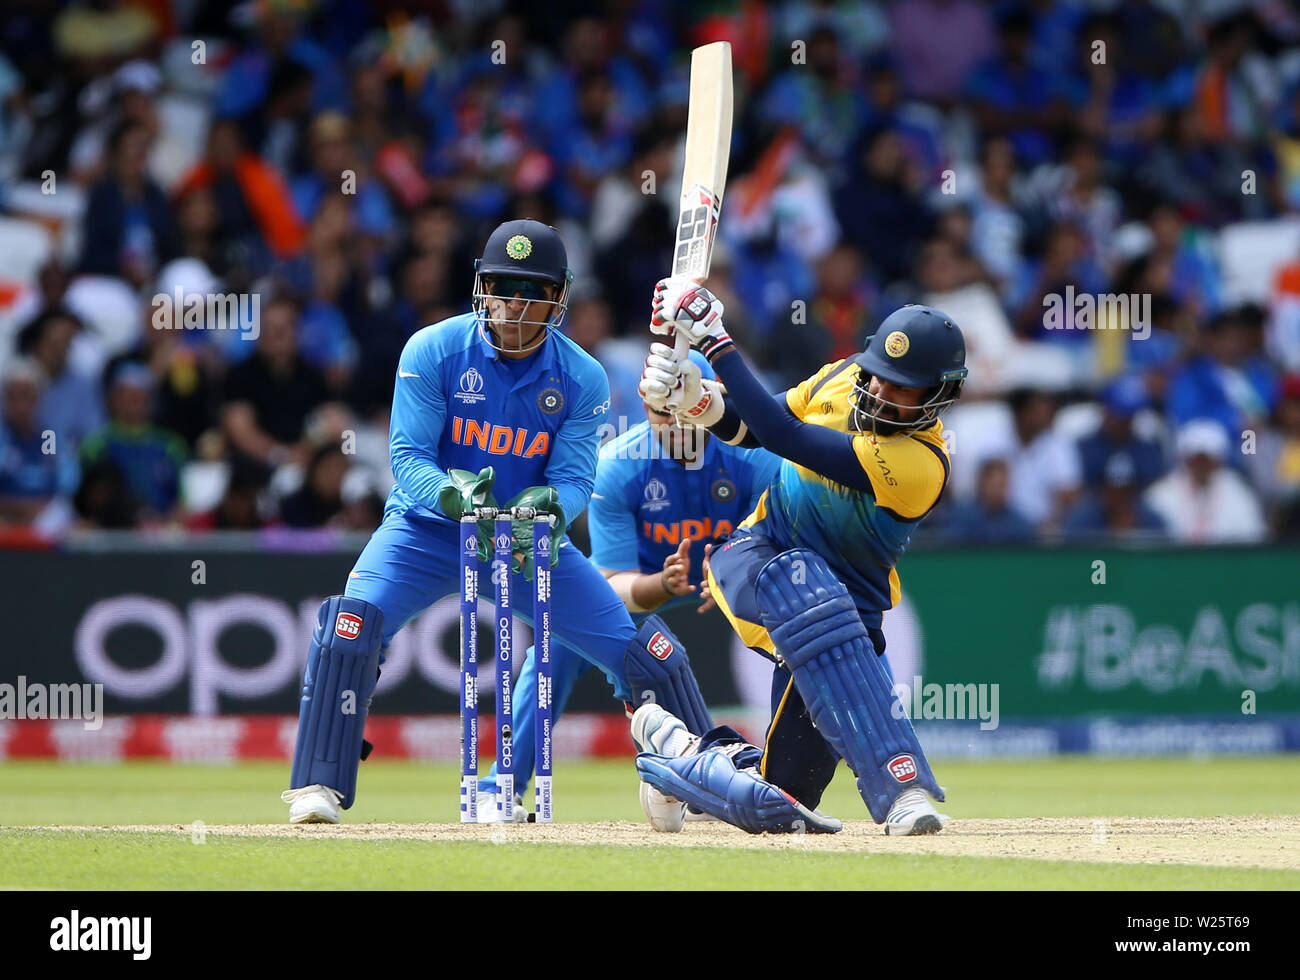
(471, 387)
(896, 344)
(723, 490)
(655, 496)
(550, 401)
(519, 247)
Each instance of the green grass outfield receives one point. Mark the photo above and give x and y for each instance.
(60, 794)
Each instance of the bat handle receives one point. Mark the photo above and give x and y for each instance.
(681, 346)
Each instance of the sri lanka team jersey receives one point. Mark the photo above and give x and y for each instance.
(860, 535)
(646, 503)
(459, 404)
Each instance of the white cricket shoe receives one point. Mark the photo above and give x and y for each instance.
(666, 814)
(313, 804)
(913, 814)
(655, 730)
(488, 812)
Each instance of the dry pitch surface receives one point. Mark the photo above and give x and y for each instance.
(1247, 842)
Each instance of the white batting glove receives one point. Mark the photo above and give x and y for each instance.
(683, 304)
(678, 388)
(660, 385)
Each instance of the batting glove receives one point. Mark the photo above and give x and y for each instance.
(677, 388)
(683, 304)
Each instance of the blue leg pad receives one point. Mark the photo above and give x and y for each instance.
(342, 669)
(847, 690)
(658, 670)
(710, 781)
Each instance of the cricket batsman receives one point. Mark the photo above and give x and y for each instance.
(661, 489)
(494, 404)
(806, 577)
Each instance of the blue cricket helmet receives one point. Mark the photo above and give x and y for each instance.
(914, 347)
(526, 250)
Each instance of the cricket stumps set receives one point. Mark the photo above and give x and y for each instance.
(502, 634)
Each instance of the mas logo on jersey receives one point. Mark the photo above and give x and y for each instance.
(347, 626)
(519, 247)
(550, 401)
(902, 768)
(723, 490)
(896, 344)
(660, 647)
(655, 496)
(471, 387)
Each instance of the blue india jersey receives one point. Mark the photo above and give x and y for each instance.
(646, 503)
(459, 404)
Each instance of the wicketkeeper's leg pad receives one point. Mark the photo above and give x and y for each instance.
(710, 781)
(848, 692)
(658, 670)
(342, 669)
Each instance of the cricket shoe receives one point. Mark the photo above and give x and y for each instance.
(312, 804)
(655, 730)
(489, 813)
(913, 814)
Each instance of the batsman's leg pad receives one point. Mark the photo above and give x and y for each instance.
(710, 781)
(342, 669)
(847, 690)
(658, 670)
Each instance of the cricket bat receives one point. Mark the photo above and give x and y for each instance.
(704, 173)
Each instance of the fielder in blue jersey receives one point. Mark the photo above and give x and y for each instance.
(489, 405)
(660, 490)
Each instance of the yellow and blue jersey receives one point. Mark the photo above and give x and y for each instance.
(860, 534)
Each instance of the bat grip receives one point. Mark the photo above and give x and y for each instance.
(681, 346)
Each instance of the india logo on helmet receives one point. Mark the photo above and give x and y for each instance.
(519, 247)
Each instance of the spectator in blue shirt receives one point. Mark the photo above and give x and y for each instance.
(1115, 439)
(71, 404)
(33, 474)
(989, 518)
(1115, 509)
(1013, 96)
(1226, 382)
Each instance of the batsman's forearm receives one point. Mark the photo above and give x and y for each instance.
(819, 448)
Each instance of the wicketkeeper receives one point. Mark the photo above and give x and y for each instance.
(491, 405)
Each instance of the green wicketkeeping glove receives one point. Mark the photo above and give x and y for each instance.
(545, 499)
(465, 492)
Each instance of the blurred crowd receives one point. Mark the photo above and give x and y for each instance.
(343, 161)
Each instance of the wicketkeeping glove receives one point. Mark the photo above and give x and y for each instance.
(547, 500)
(465, 492)
(682, 304)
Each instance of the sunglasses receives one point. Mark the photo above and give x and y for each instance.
(529, 289)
